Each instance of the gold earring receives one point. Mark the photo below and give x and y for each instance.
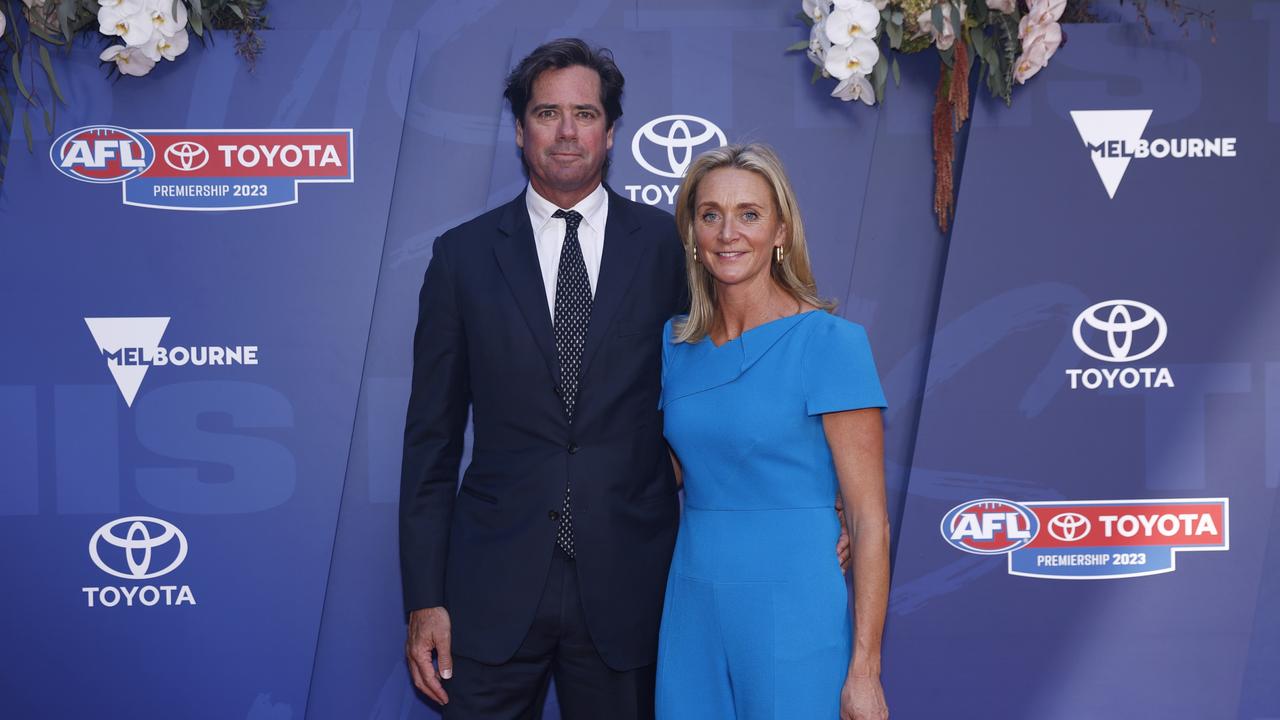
(777, 254)
(695, 255)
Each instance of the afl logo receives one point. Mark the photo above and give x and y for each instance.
(990, 526)
(101, 154)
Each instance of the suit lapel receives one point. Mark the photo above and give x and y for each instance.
(622, 252)
(518, 258)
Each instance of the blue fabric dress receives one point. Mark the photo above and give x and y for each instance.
(756, 621)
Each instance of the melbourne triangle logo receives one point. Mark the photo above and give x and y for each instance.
(1115, 137)
(128, 344)
(1107, 133)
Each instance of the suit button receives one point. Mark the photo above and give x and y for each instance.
(573, 448)
(553, 515)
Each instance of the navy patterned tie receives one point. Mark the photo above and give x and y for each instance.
(573, 311)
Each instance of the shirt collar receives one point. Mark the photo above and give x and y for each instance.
(591, 207)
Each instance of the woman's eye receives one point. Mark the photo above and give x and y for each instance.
(709, 217)
(750, 215)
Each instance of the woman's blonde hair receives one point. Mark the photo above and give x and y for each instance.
(793, 274)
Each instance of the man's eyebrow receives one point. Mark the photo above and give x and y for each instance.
(583, 106)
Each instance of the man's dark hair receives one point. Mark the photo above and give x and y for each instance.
(564, 53)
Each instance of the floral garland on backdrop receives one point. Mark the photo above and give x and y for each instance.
(141, 33)
(1011, 41)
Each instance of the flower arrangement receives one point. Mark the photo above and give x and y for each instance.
(856, 42)
(140, 34)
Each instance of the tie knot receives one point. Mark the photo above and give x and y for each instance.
(572, 218)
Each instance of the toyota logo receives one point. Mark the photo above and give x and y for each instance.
(675, 134)
(186, 156)
(136, 537)
(1069, 526)
(1120, 320)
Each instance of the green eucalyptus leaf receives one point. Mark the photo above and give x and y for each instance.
(878, 75)
(802, 45)
(15, 67)
(53, 78)
(935, 17)
(895, 35)
(897, 76)
(236, 9)
(955, 17)
(817, 73)
(948, 56)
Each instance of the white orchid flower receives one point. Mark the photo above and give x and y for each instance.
(1043, 12)
(858, 58)
(163, 21)
(816, 9)
(1037, 48)
(855, 87)
(2, 23)
(135, 27)
(1004, 6)
(129, 60)
(167, 47)
(945, 36)
(818, 43)
(860, 21)
(1042, 40)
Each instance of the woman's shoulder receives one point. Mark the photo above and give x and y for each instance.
(828, 332)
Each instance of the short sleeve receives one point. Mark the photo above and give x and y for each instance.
(839, 372)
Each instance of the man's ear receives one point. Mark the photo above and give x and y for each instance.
(608, 138)
(519, 134)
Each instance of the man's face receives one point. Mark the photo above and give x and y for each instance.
(563, 133)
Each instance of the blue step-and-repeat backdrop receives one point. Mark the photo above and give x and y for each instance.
(210, 277)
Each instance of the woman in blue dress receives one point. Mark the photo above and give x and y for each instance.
(772, 406)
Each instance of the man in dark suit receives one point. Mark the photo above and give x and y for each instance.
(543, 316)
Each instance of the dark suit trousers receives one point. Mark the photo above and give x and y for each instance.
(558, 645)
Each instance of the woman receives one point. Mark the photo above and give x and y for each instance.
(771, 405)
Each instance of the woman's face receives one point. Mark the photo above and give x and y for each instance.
(736, 226)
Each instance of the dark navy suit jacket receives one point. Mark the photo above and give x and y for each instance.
(484, 340)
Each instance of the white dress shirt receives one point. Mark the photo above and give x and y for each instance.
(548, 236)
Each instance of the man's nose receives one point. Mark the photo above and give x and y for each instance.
(567, 127)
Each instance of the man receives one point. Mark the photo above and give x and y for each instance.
(544, 316)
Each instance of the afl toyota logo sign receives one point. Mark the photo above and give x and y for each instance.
(1089, 539)
(136, 548)
(666, 146)
(133, 544)
(1119, 331)
(219, 169)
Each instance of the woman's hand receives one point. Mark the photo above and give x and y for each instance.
(862, 698)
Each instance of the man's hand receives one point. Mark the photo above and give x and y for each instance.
(429, 630)
(842, 544)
